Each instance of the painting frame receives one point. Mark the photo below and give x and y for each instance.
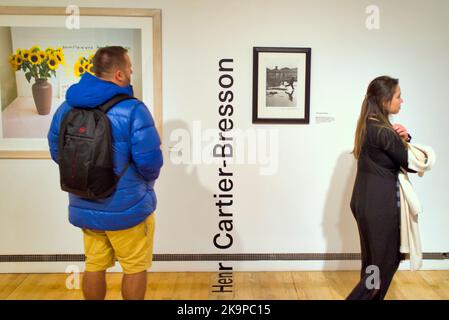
(283, 114)
(27, 150)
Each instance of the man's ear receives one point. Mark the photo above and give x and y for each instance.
(118, 75)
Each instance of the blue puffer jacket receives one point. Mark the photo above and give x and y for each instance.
(134, 136)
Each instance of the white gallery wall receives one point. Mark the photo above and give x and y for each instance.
(303, 206)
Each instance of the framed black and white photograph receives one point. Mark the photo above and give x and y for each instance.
(281, 85)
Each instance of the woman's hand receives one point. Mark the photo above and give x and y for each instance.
(401, 130)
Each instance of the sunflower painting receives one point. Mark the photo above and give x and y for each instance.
(40, 65)
(36, 75)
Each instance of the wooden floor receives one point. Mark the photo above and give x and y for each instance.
(247, 285)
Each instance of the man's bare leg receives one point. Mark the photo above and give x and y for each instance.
(94, 285)
(134, 286)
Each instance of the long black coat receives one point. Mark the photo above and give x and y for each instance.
(375, 205)
(382, 155)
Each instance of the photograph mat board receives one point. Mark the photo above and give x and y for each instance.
(292, 60)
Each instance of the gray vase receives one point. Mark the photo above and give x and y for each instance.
(42, 96)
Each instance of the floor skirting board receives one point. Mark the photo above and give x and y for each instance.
(213, 257)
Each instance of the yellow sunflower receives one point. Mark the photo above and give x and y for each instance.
(34, 58)
(52, 62)
(42, 54)
(90, 69)
(35, 49)
(49, 50)
(85, 64)
(79, 69)
(25, 54)
(12, 58)
(18, 59)
(60, 56)
(12, 61)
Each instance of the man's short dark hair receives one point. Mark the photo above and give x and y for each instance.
(107, 59)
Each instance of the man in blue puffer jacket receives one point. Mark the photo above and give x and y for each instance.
(121, 225)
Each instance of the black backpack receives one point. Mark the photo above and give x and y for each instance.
(85, 151)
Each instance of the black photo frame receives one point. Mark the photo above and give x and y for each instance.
(281, 85)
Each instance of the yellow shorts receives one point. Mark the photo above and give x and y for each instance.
(133, 248)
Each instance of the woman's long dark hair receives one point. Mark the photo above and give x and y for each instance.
(378, 95)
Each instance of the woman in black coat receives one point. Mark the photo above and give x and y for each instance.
(380, 149)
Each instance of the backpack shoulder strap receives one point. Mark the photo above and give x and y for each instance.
(113, 101)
